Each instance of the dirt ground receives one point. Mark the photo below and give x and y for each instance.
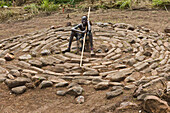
(45, 100)
(156, 20)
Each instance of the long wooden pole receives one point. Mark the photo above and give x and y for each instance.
(84, 41)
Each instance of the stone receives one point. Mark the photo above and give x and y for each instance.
(140, 58)
(124, 106)
(68, 54)
(129, 79)
(61, 93)
(45, 52)
(102, 86)
(2, 61)
(73, 84)
(36, 63)
(75, 91)
(120, 66)
(25, 57)
(154, 65)
(82, 81)
(141, 66)
(131, 61)
(168, 88)
(30, 85)
(20, 81)
(91, 73)
(80, 99)
(153, 104)
(116, 88)
(24, 64)
(15, 72)
(128, 87)
(167, 29)
(61, 84)
(45, 84)
(115, 84)
(9, 57)
(120, 75)
(19, 90)
(2, 78)
(10, 76)
(113, 94)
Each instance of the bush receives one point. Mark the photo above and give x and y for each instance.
(160, 3)
(32, 8)
(5, 3)
(122, 4)
(48, 6)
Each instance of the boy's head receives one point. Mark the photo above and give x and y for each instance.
(84, 20)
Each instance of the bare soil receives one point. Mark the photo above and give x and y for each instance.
(45, 100)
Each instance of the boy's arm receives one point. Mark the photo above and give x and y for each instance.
(75, 29)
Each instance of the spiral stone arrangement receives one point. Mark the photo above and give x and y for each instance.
(126, 57)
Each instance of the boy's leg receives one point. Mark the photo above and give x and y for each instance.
(70, 41)
(91, 42)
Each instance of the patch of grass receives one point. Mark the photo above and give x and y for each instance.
(122, 4)
(160, 3)
(5, 3)
(48, 6)
(32, 8)
(6, 14)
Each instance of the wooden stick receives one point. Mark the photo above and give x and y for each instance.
(84, 42)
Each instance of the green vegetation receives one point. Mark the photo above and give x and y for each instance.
(5, 3)
(122, 4)
(160, 3)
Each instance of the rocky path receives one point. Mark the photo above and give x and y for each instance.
(127, 57)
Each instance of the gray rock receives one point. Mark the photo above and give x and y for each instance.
(45, 84)
(24, 64)
(25, 57)
(80, 99)
(73, 84)
(167, 29)
(102, 86)
(72, 55)
(36, 63)
(141, 66)
(113, 94)
(15, 73)
(19, 90)
(82, 81)
(116, 56)
(75, 91)
(120, 75)
(116, 88)
(17, 82)
(62, 84)
(2, 61)
(61, 93)
(129, 79)
(115, 84)
(10, 76)
(128, 87)
(91, 73)
(2, 77)
(131, 61)
(30, 85)
(154, 65)
(45, 52)
(140, 58)
(153, 104)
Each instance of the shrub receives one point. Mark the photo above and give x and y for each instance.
(122, 4)
(33, 8)
(160, 3)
